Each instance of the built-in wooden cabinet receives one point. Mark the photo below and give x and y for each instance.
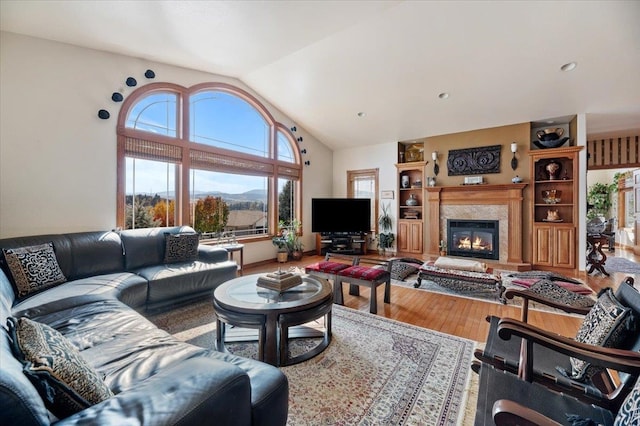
(410, 236)
(554, 175)
(554, 246)
(411, 206)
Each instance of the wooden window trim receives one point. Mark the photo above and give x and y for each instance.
(269, 167)
(352, 175)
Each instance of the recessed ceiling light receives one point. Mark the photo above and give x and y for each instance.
(361, 114)
(443, 95)
(569, 66)
(549, 121)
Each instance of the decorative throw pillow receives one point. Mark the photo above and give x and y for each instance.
(33, 268)
(606, 325)
(629, 413)
(65, 381)
(181, 248)
(401, 270)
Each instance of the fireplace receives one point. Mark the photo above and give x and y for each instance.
(473, 238)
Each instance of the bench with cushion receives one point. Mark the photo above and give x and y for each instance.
(462, 279)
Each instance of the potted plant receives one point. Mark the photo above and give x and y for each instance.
(280, 241)
(443, 248)
(294, 244)
(386, 237)
(599, 200)
(288, 241)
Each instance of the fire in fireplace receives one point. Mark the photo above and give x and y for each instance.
(473, 238)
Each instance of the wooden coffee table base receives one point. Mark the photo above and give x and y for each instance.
(276, 322)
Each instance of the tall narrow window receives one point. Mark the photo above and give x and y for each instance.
(364, 184)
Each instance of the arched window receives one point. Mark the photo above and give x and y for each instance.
(210, 156)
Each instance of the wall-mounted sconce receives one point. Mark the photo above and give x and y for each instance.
(294, 129)
(131, 82)
(150, 74)
(117, 97)
(307, 163)
(104, 114)
(303, 151)
(436, 167)
(299, 139)
(514, 160)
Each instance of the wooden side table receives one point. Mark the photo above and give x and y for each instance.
(596, 257)
(233, 248)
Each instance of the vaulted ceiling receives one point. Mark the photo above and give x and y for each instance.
(323, 62)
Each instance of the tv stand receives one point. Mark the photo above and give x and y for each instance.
(341, 242)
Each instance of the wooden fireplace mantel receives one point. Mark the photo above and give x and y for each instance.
(510, 195)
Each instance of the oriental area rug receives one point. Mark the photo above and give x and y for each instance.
(376, 371)
(620, 264)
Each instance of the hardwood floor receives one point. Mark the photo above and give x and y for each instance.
(456, 315)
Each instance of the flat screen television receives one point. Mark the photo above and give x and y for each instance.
(347, 215)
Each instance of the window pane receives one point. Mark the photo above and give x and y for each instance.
(245, 198)
(155, 113)
(286, 200)
(285, 150)
(150, 193)
(227, 121)
(365, 187)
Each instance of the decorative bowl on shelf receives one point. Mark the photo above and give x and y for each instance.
(550, 133)
(551, 196)
(554, 143)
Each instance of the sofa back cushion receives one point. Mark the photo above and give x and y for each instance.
(146, 246)
(96, 253)
(79, 255)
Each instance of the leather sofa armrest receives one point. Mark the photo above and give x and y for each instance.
(212, 254)
(196, 391)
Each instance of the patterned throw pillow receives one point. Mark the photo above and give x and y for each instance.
(181, 248)
(606, 325)
(33, 268)
(629, 413)
(65, 381)
(401, 270)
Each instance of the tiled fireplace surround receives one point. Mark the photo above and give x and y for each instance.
(494, 202)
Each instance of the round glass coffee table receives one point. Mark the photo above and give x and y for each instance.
(241, 303)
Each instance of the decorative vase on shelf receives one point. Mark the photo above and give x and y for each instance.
(432, 181)
(412, 200)
(553, 169)
(405, 181)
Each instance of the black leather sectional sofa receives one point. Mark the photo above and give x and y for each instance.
(111, 279)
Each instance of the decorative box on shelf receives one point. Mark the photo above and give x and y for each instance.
(279, 281)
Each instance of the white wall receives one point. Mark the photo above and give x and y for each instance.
(58, 159)
(381, 156)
